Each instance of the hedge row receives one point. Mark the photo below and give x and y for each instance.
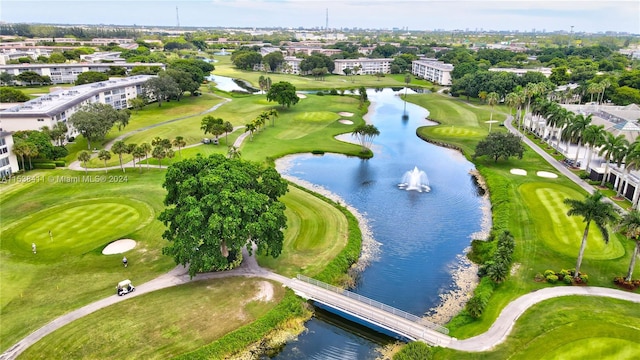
(290, 307)
(476, 305)
(44, 165)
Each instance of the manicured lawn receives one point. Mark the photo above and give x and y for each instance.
(139, 328)
(572, 327)
(316, 232)
(70, 270)
(531, 208)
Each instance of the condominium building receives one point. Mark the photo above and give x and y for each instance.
(8, 160)
(59, 105)
(365, 66)
(291, 65)
(435, 71)
(68, 73)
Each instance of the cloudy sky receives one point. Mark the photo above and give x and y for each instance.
(585, 16)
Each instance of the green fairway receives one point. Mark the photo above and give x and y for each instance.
(70, 270)
(316, 232)
(76, 228)
(561, 232)
(138, 328)
(570, 327)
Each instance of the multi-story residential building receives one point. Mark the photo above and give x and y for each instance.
(103, 57)
(8, 160)
(545, 71)
(59, 105)
(7, 55)
(432, 70)
(308, 50)
(68, 73)
(366, 66)
(291, 65)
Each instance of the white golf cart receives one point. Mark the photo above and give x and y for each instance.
(124, 287)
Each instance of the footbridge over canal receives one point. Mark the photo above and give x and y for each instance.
(371, 312)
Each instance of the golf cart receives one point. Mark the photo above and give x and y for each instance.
(124, 287)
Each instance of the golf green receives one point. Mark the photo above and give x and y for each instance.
(602, 348)
(316, 116)
(76, 227)
(456, 131)
(559, 231)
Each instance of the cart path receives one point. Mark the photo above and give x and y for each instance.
(495, 335)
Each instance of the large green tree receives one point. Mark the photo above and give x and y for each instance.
(593, 210)
(9, 95)
(283, 93)
(94, 120)
(500, 145)
(217, 206)
(89, 77)
(161, 88)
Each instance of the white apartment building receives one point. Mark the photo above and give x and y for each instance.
(8, 160)
(68, 73)
(101, 56)
(292, 65)
(7, 55)
(367, 66)
(545, 71)
(435, 71)
(59, 105)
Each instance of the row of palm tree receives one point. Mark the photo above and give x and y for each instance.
(159, 149)
(594, 210)
(24, 149)
(260, 122)
(216, 127)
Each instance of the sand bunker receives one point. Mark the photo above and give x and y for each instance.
(546, 174)
(518, 172)
(302, 96)
(119, 246)
(346, 114)
(345, 121)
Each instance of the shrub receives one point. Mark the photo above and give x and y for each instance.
(584, 278)
(320, 93)
(59, 163)
(333, 92)
(567, 280)
(44, 165)
(317, 152)
(549, 272)
(538, 277)
(552, 279)
(414, 350)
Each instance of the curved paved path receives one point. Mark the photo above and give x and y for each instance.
(494, 336)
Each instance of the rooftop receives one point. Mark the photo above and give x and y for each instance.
(60, 100)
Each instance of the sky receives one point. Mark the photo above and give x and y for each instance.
(522, 15)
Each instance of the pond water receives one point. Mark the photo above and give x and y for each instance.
(225, 83)
(421, 234)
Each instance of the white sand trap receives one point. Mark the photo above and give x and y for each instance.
(119, 246)
(302, 96)
(346, 114)
(345, 121)
(518, 172)
(546, 174)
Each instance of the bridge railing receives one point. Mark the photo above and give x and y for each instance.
(375, 304)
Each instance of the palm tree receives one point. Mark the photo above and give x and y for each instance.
(262, 82)
(592, 209)
(84, 156)
(228, 128)
(212, 125)
(104, 155)
(159, 153)
(492, 99)
(119, 148)
(147, 149)
(250, 127)
(18, 150)
(604, 85)
(139, 153)
(179, 143)
(233, 153)
(30, 150)
(575, 130)
(594, 135)
(611, 149)
(273, 114)
(630, 227)
(130, 149)
(365, 135)
(593, 88)
(631, 159)
(511, 100)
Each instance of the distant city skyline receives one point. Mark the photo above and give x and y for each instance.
(521, 15)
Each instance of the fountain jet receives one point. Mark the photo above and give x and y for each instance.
(415, 179)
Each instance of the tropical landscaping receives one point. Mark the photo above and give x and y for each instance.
(69, 270)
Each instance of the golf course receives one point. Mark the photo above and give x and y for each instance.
(71, 220)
